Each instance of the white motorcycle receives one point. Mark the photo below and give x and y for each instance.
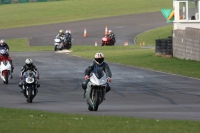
(59, 43)
(5, 71)
(96, 90)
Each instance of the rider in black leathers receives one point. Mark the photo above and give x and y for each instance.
(68, 36)
(111, 35)
(28, 66)
(98, 62)
(4, 45)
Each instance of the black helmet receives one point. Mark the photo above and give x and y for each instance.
(99, 58)
(29, 62)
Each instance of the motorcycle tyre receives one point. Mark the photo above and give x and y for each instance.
(103, 44)
(55, 48)
(69, 45)
(30, 97)
(90, 108)
(96, 101)
(6, 78)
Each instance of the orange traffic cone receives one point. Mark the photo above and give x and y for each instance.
(85, 33)
(125, 43)
(95, 43)
(140, 43)
(106, 30)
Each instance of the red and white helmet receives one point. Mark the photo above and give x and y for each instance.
(99, 58)
(110, 31)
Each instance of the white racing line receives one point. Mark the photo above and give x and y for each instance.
(64, 51)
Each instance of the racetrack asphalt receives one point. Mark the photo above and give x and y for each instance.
(125, 28)
(135, 92)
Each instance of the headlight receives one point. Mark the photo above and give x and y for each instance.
(29, 80)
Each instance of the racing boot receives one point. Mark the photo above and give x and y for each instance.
(84, 86)
(12, 68)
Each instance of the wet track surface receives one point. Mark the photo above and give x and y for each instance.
(135, 92)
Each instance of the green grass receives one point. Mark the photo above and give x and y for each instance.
(143, 58)
(21, 45)
(23, 121)
(150, 36)
(26, 14)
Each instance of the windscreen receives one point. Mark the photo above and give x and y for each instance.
(29, 74)
(98, 72)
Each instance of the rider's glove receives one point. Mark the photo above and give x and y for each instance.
(37, 77)
(87, 77)
(20, 77)
(109, 79)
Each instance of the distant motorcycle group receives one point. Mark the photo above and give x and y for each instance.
(64, 40)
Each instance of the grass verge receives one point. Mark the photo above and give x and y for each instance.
(39, 13)
(150, 36)
(143, 58)
(23, 121)
(21, 45)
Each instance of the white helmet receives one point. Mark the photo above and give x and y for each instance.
(67, 31)
(110, 31)
(99, 58)
(29, 62)
(2, 41)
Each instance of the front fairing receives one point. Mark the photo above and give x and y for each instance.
(98, 77)
(29, 78)
(5, 65)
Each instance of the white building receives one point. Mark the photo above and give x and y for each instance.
(187, 14)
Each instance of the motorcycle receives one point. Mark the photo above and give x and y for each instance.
(5, 69)
(106, 41)
(29, 85)
(96, 90)
(61, 44)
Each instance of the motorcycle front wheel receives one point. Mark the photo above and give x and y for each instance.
(55, 48)
(30, 96)
(6, 78)
(96, 100)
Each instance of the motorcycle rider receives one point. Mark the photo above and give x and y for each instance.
(5, 56)
(4, 45)
(111, 35)
(61, 34)
(68, 36)
(98, 63)
(29, 66)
